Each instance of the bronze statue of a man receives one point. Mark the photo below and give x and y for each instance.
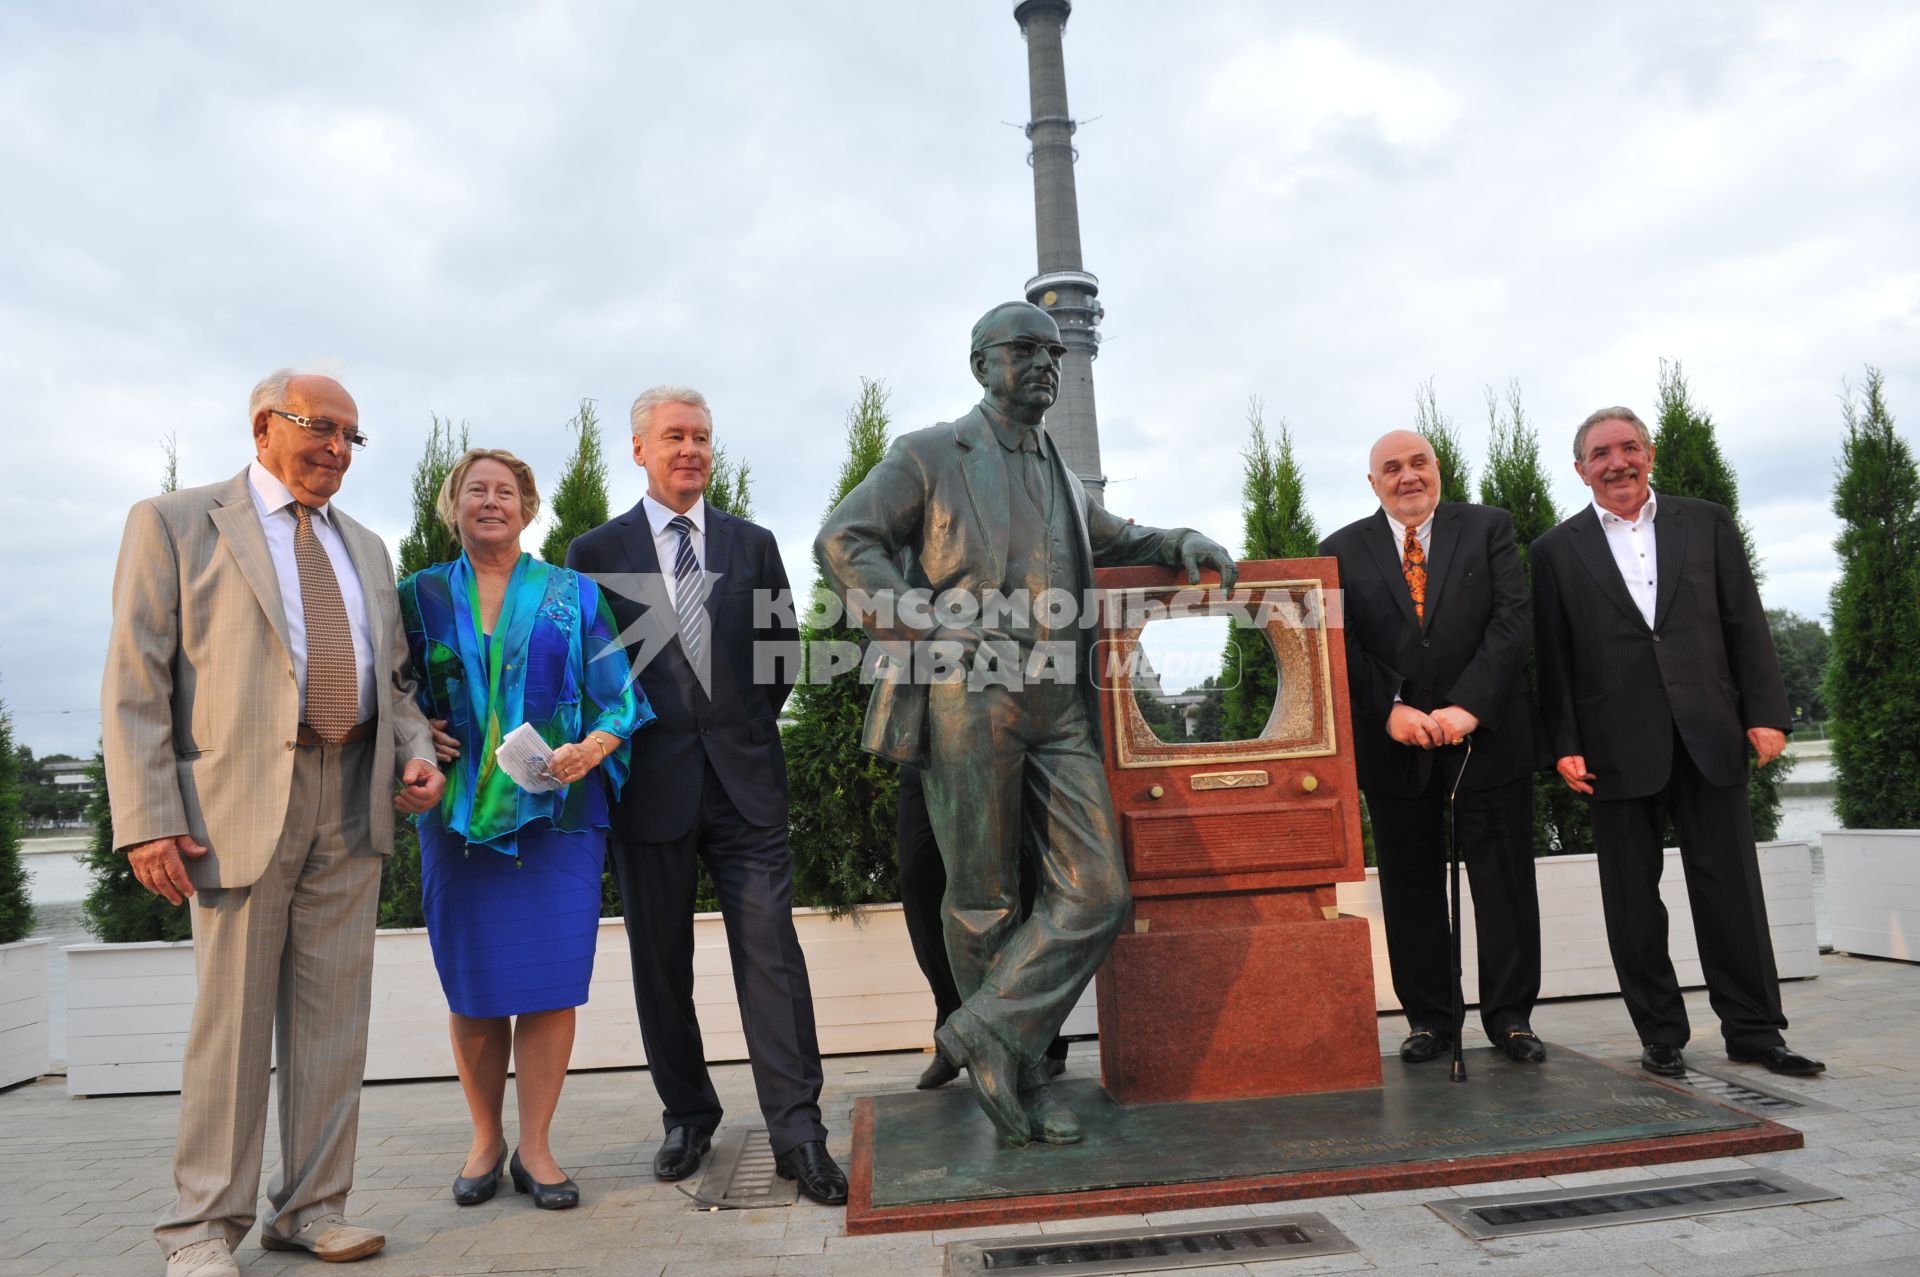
(983, 509)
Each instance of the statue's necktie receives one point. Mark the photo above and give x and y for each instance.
(1033, 472)
(333, 683)
(1414, 567)
(689, 590)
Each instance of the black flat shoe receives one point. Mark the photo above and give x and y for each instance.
(1666, 1061)
(1521, 1044)
(1423, 1045)
(562, 1196)
(471, 1190)
(1778, 1058)
(819, 1176)
(680, 1152)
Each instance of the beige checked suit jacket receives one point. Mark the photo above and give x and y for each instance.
(200, 703)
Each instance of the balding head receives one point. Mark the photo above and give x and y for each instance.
(311, 455)
(1405, 475)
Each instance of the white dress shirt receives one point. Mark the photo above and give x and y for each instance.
(1631, 541)
(1423, 534)
(274, 504)
(666, 540)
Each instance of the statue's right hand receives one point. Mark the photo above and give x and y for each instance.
(160, 869)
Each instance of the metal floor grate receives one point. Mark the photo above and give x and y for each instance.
(1152, 1250)
(1750, 1096)
(741, 1174)
(1562, 1209)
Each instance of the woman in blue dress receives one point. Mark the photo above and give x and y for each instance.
(510, 879)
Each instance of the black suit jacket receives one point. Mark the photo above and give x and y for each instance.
(1471, 651)
(1614, 689)
(736, 727)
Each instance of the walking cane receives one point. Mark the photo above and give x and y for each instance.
(1459, 1073)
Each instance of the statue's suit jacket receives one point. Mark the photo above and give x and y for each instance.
(1616, 690)
(942, 495)
(200, 704)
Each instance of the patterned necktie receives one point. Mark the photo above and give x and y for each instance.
(688, 590)
(1414, 568)
(333, 682)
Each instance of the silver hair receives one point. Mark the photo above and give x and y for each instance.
(271, 392)
(642, 413)
(1609, 414)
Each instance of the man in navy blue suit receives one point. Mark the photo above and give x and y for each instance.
(709, 783)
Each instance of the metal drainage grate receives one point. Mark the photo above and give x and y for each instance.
(1750, 1096)
(1561, 1209)
(741, 1174)
(1153, 1250)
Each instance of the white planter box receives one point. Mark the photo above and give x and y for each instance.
(1574, 961)
(1873, 891)
(23, 1011)
(129, 1005)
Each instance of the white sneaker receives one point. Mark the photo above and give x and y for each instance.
(209, 1258)
(331, 1237)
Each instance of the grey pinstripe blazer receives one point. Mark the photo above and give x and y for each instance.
(200, 704)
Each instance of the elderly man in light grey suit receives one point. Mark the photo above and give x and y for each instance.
(257, 710)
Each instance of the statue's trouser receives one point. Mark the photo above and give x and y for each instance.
(1013, 773)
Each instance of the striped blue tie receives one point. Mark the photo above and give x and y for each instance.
(689, 590)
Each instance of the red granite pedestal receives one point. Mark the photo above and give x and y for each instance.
(1231, 997)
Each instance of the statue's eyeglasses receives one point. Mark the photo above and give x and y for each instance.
(322, 428)
(1022, 349)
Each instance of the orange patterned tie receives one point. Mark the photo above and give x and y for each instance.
(1414, 568)
(333, 683)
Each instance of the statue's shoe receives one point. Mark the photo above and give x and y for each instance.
(992, 1071)
(1051, 1121)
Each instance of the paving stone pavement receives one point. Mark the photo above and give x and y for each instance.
(82, 1180)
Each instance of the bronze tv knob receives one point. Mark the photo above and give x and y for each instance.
(1309, 783)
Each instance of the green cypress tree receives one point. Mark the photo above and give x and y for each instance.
(430, 541)
(1456, 476)
(427, 542)
(16, 903)
(1516, 481)
(1873, 664)
(117, 908)
(579, 501)
(729, 486)
(1687, 462)
(1802, 647)
(843, 831)
(1275, 524)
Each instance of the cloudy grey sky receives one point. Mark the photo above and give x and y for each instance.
(492, 211)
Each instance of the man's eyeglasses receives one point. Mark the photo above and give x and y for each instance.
(322, 428)
(1023, 350)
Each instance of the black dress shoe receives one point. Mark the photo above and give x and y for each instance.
(680, 1152)
(471, 1190)
(1778, 1058)
(562, 1196)
(937, 1074)
(1521, 1044)
(819, 1176)
(1056, 1065)
(1667, 1061)
(1423, 1044)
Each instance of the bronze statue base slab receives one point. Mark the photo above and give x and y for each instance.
(926, 1160)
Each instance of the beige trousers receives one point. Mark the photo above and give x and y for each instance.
(286, 961)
